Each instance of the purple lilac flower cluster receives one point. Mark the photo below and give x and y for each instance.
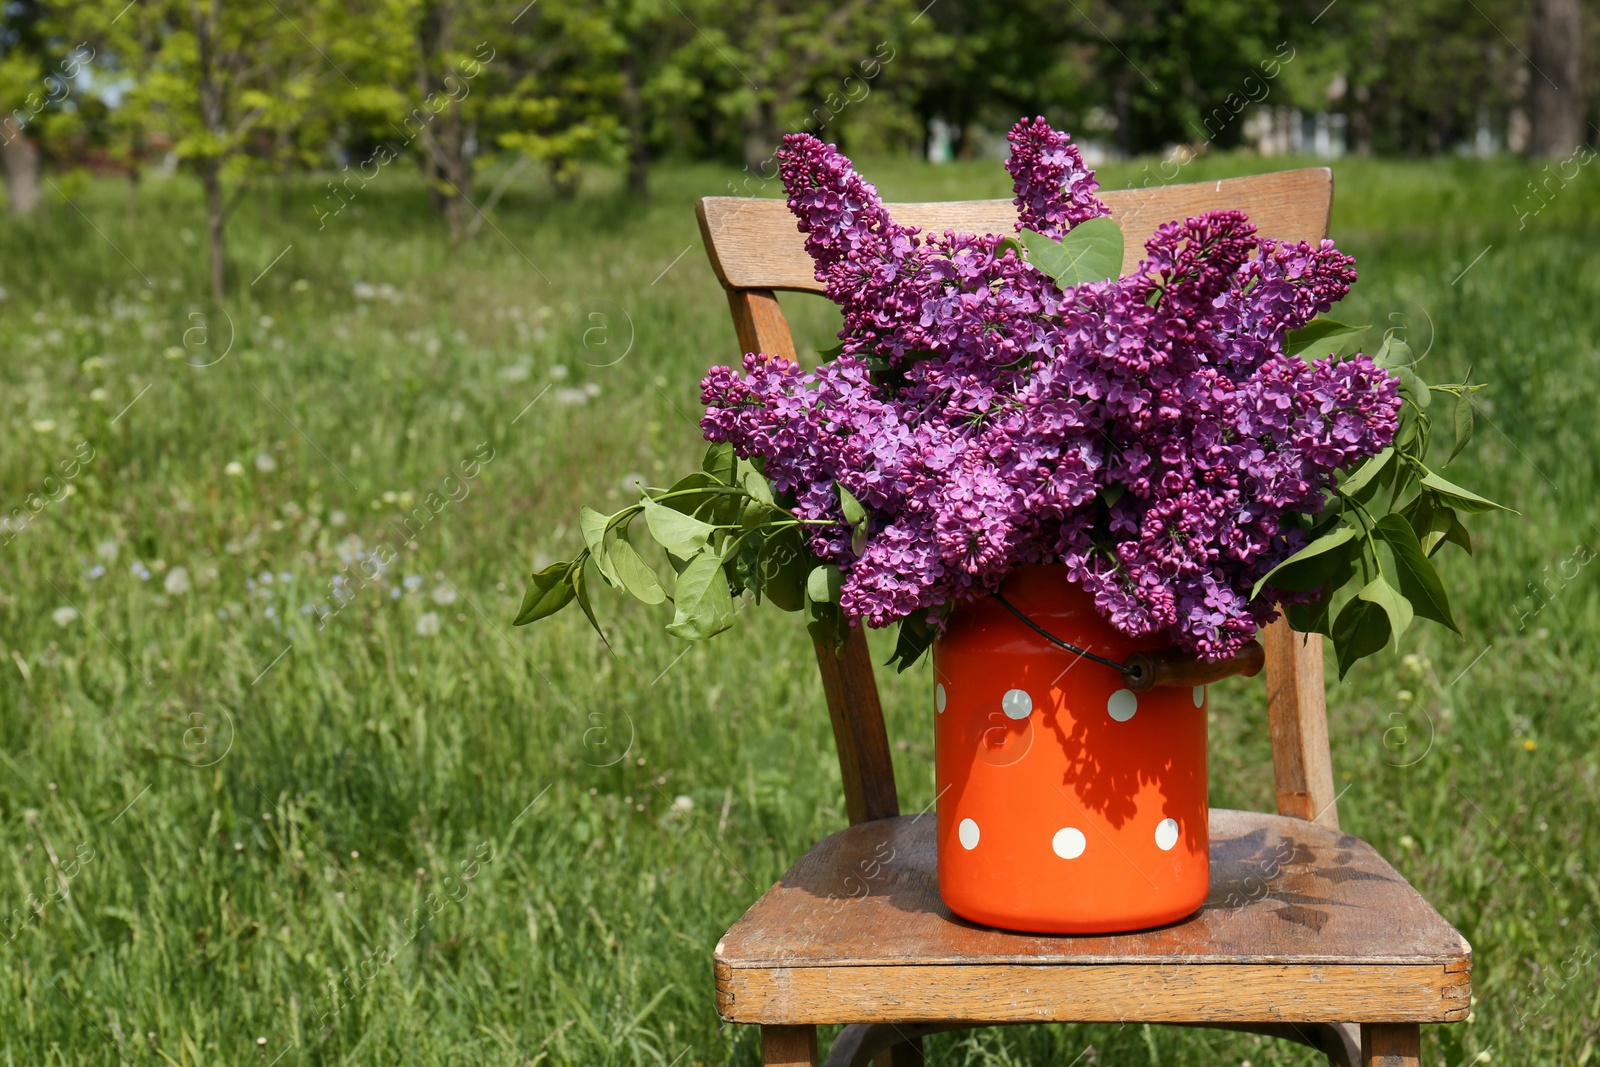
(1149, 432)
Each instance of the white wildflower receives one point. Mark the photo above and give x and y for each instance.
(176, 581)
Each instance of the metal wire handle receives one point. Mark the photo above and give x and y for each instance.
(1146, 670)
(1053, 639)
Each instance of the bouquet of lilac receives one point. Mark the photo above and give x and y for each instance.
(1190, 440)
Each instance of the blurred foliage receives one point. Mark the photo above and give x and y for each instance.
(303, 83)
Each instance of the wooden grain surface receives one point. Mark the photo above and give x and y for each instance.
(1291, 902)
(1095, 993)
(789, 1046)
(866, 765)
(1390, 1046)
(754, 243)
(1302, 767)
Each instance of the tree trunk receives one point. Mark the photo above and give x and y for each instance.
(760, 138)
(446, 150)
(1555, 85)
(638, 135)
(1122, 108)
(211, 178)
(19, 157)
(210, 91)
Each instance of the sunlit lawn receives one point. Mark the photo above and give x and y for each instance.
(260, 818)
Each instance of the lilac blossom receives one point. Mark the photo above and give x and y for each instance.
(1147, 432)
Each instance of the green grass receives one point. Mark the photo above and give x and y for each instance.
(266, 804)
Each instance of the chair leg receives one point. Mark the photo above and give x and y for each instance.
(789, 1046)
(1391, 1045)
(907, 1053)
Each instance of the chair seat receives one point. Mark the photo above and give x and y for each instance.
(1303, 924)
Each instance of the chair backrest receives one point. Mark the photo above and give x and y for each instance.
(756, 249)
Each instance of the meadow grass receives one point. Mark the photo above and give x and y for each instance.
(249, 819)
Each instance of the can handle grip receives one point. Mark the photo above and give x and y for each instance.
(1146, 670)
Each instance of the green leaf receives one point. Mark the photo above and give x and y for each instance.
(1396, 607)
(704, 605)
(827, 629)
(581, 590)
(829, 354)
(1113, 493)
(1434, 524)
(1009, 244)
(823, 584)
(1463, 426)
(1408, 430)
(635, 574)
(1321, 337)
(854, 513)
(1368, 475)
(1417, 580)
(683, 535)
(594, 526)
(682, 496)
(1311, 567)
(1457, 534)
(1313, 616)
(548, 592)
(1361, 629)
(720, 463)
(915, 637)
(1394, 353)
(785, 563)
(756, 484)
(1413, 386)
(1090, 252)
(755, 513)
(1459, 498)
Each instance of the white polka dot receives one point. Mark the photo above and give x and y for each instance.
(939, 698)
(1017, 704)
(1199, 695)
(968, 833)
(1122, 705)
(1167, 834)
(1069, 843)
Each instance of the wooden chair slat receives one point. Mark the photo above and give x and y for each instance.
(789, 1046)
(866, 765)
(754, 243)
(865, 762)
(1390, 1046)
(1109, 993)
(1302, 767)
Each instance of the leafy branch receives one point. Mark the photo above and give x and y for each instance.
(1370, 553)
(724, 532)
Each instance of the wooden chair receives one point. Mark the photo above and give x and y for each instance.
(1308, 934)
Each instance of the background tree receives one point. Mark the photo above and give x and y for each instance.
(563, 104)
(777, 63)
(989, 61)
(228, 81)
(1555, 84)
(38, 73)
